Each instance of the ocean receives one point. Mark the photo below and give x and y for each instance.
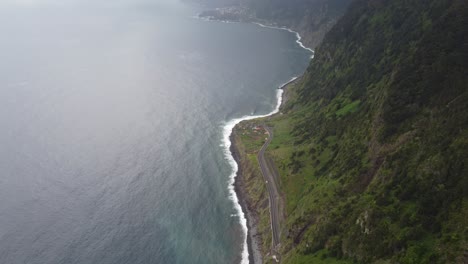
(114, 118)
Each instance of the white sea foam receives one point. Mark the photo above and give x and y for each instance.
(227, 131)
(286, 83)
(298, 36)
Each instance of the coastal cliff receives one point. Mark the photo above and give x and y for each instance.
(312, 19)
(372, 144)
(253, 198)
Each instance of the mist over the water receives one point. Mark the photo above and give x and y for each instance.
(74, 3)
(111, 115)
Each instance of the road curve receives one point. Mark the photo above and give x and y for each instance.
(273, 194)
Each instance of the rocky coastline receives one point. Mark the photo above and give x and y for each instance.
(254, 239)
(251, 191)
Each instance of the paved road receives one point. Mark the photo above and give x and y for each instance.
(268, 175)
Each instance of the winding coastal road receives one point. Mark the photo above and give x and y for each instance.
(269, 175)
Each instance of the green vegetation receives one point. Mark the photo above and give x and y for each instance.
(347, 109)
(372, 145)
(248, 139)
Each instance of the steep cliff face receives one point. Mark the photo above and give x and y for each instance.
(372, 147)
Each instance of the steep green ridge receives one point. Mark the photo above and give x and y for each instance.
(372, 145)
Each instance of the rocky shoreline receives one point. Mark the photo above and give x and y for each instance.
(246, 175)
(312, 35)
(253, 238)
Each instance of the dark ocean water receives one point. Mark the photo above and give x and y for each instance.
(111, 116)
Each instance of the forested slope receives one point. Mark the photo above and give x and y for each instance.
(372, 146)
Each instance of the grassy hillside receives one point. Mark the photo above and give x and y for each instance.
(372, 146)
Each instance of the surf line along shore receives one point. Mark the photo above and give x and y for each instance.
(251, 237)
(251, 252)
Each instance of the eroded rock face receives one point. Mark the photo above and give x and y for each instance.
(363, 222)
